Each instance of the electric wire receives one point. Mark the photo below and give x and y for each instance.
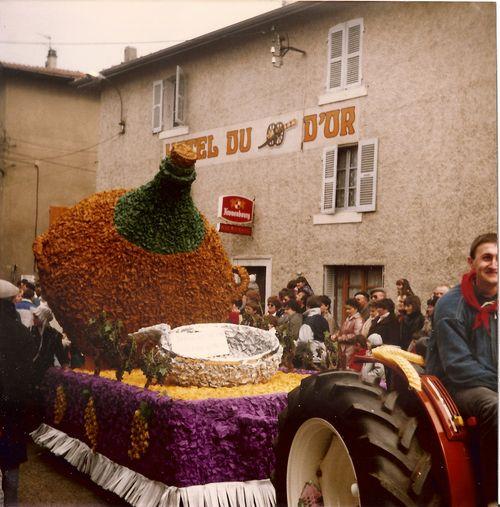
(100, 43)
(19, 140)
(82, 149)
(21, 158)
(114, 136)
(30, 163)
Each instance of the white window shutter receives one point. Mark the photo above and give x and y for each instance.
(354, 34)
(157, 113)
(329, 180)
(169, 94)
(336, 65)
(328, 283)
(367, 175)
(180, 96)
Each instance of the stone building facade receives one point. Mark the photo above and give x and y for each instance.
(48, 155)
(370, 154)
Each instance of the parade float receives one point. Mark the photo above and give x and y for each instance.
(188, 411)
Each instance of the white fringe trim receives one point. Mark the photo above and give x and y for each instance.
(143, 492)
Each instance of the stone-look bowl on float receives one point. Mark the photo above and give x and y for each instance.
(252, 355)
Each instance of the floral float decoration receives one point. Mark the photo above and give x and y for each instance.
(143, 257)
(139, 434)
(90, 423)
(60, 404)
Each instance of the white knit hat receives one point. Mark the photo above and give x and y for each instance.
(375, 340)
(7, 290)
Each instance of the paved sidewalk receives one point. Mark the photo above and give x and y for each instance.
(48, 480)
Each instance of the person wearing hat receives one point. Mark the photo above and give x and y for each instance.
(48, 343)
(373, 372)
(16, 367)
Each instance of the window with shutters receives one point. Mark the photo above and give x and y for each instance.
(169, 105)
(342, 282)
(350, 177)
(344, 55)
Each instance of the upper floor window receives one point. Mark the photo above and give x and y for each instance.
(169, 102)
(344, 55)
(350, 177)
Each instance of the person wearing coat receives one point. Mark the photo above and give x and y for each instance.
(386, 324)
(346, 336)
(48, 343)
(412, 322)
(373, 372)
(16, 366)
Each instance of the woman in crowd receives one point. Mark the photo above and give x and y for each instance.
(346, 336)
(413, 321)
(386, 324)
(326, 304)
(404, 290)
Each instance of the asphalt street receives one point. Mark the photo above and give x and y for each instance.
(48, 480)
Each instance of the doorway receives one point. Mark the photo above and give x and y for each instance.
(261, 268)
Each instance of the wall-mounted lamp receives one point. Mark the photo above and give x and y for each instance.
(100, 77)
(280, 47)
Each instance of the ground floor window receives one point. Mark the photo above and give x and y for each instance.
(342, 282)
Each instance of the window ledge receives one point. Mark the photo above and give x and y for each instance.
(175, 132)
(340, 95)
(341, 217)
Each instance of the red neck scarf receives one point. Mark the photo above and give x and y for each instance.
(483, 315)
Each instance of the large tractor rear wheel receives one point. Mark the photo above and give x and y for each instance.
(358, 443)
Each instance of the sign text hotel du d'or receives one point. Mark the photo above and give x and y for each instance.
(268, 136)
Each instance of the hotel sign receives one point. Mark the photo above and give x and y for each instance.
(289, 132)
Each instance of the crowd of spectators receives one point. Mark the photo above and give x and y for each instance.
(313, 339)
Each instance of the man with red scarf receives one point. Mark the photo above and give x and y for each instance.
(463, 351)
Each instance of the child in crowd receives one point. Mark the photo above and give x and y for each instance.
(359, 349)
(252, 316)
(235, 315)
(373, 372)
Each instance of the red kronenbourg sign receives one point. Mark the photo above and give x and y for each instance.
(235, 210)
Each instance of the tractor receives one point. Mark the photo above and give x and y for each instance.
(346, 442)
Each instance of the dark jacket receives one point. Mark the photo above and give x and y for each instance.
(388, 328)
(16, 364)
(46, 347)
(460, 356)
(410, 324)
(318, 325)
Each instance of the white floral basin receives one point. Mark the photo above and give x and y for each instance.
(218, 355)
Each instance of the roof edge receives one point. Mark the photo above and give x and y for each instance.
(202, 40)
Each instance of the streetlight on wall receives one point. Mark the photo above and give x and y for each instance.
(280, 46)
(101, 78)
